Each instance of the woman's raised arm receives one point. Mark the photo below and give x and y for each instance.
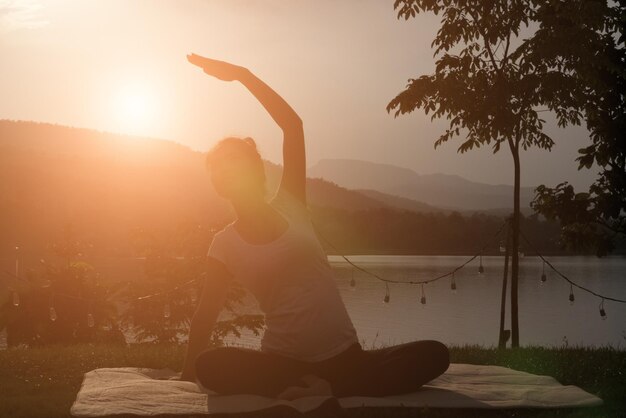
(294, 159)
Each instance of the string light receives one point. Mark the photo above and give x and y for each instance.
(387, 296)
(543, 273)
(423, 299)
(481, 269)
(602, 312)
(166, 310)
(90, 320)
(16, 298)
(17, 261)
(469, 260)
(175, 289)
(52, 312)
(453, 284)
(564, 277)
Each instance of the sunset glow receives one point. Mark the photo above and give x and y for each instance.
(135, 107)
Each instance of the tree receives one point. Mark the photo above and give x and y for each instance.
(493, 87)
(64, 303)
(166, 317)
(592, 35)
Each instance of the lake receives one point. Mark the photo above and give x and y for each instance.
(472, 314)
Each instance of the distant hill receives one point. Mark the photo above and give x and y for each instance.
(105, 184)
(109, 184)
(401, 202)
(440, 190)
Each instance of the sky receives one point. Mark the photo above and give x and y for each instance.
(120, 66)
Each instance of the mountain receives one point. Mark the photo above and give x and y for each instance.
(401, 202)
(104, 184)
(440, 190)
(108, 185)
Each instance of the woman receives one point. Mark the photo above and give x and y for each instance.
(310, 346)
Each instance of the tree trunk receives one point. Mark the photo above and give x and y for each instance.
(504, 335)
(515, 246)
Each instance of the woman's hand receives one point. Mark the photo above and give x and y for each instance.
(219, 69)
(177, 377)
(181, 377)
(189, 377)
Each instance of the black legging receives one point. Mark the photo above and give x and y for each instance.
(385, 371)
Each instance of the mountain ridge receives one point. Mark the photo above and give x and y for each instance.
(446, 191)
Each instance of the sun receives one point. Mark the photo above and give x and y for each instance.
(136, 109)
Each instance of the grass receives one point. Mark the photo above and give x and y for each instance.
(43, 382)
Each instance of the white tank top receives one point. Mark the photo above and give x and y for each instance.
(294, 284)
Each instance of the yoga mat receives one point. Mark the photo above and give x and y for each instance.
(141, 391)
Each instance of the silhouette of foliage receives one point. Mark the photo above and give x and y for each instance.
(167, 317)
(388, 231)
(63, 302)
(491, 88)
(590, 35)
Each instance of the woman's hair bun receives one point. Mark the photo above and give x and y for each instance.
(250, 141)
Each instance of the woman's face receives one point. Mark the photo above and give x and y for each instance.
(235, 176)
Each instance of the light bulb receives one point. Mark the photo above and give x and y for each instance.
(386, 299)
(602, 312)
(16, 299)
(53, 314)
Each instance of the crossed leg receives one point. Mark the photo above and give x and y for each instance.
(395, 370)
(236, 370)
(386, 371)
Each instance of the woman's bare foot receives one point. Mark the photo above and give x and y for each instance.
(316, 386)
